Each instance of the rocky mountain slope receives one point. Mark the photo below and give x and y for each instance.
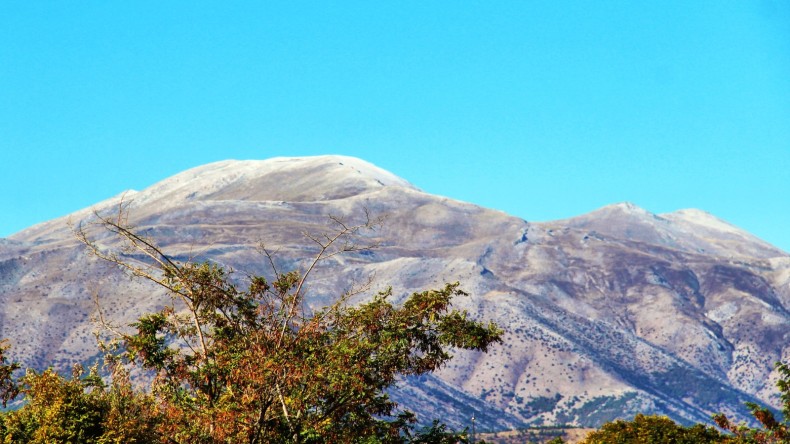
(607, 314)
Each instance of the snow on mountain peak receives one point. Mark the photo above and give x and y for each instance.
(277, 179)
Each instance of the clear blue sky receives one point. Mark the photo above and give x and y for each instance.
(543, 109)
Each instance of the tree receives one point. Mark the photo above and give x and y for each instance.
(772, 430)
(652, 429)
(253, 364)
(80, 409)
(9, 389)
(660, 429)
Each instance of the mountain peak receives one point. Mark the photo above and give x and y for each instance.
(590, 304)
(618, 210)
(278, 179)
(336, 164)
(626, 206)
(296, 179)
(690, 230)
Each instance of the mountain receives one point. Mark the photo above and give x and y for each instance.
(607, 314)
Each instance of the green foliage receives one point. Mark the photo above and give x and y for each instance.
(437, 433)
(540, 404)
(8, 387)
(659, 429)
(277, 372)
(249, 364)
(597, 410)
(80, 409)
(653, 430)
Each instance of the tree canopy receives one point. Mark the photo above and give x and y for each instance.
(660, 429)
(652, 429)
(233, 363)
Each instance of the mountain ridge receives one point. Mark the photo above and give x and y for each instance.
(616, 311)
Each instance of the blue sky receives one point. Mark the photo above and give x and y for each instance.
(542, 109)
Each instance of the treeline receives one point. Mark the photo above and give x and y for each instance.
(660, 429)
